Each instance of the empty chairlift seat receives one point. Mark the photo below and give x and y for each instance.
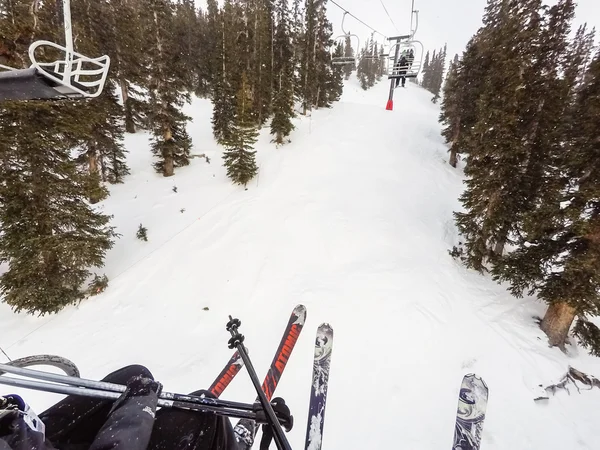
(31, 84)
(74, 76)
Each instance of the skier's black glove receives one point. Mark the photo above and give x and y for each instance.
(282, 411)
(139, 386)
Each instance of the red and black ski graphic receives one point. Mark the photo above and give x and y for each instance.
(287, 344)
(227, 375)
(245, 428)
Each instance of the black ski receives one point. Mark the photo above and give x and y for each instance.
(319, 385)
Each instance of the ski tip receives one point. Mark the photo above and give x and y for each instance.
(300, 309)
(472, 381)
(474, 376)
(325, 328)
(300, 313)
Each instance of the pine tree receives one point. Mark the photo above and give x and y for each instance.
(493, 199)
(377, 68)
(102, 152)
(329, 79)
(382, 64)
(428, 72)
(50, 236)
(425, 69)
(214, 42)
(239, 152)
(308, 65)
(348, 52)
(371, 59)
(142, 233)
(283, 106)
(227, 69)
(121, 36)
(256, 38)
(321, 85)
(451, 110)
(297, 37)
(100, 120)
(170, 143)
(438, 75)
(464, 89)
(362, 72)
(187, 45)
(558, 254)
(335, 82)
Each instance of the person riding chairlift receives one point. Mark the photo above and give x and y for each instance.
(400, 69)
(132, 422)
(410, 58)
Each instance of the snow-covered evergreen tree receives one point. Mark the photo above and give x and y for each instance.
(283, 105)
(239, 152)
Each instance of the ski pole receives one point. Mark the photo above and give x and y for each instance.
(237, 341)
(111, 395)
(106, 386)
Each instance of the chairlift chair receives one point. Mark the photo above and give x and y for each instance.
(345, 60)
(75, 76)
(373, 57)
(412, 68)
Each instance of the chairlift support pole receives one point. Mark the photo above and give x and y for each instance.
(68, 39)
(413, 66)
(390, 103)
(412, 12)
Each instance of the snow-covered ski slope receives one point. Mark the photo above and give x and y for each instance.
(354, 220)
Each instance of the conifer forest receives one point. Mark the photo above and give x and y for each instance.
(519, 112)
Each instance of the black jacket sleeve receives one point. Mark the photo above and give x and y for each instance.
(129, 426)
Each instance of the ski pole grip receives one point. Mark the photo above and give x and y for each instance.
(233, 324)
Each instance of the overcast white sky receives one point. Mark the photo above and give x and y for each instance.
(440, 21)
(451, 21)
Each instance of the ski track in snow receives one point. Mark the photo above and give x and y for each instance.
(354, 220)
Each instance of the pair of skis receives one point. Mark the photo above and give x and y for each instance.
(245, 429)
(472, 401)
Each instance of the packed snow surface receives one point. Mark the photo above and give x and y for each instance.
(354, 220)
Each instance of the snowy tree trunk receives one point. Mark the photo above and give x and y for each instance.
(94, 194)
(93, 161)
(453, 157)
(557, 322)
(169, 167)
(129, 122)
(501, 239)
(453, 153)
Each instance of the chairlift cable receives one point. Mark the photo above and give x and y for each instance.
(388, 14)
(361, 21)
